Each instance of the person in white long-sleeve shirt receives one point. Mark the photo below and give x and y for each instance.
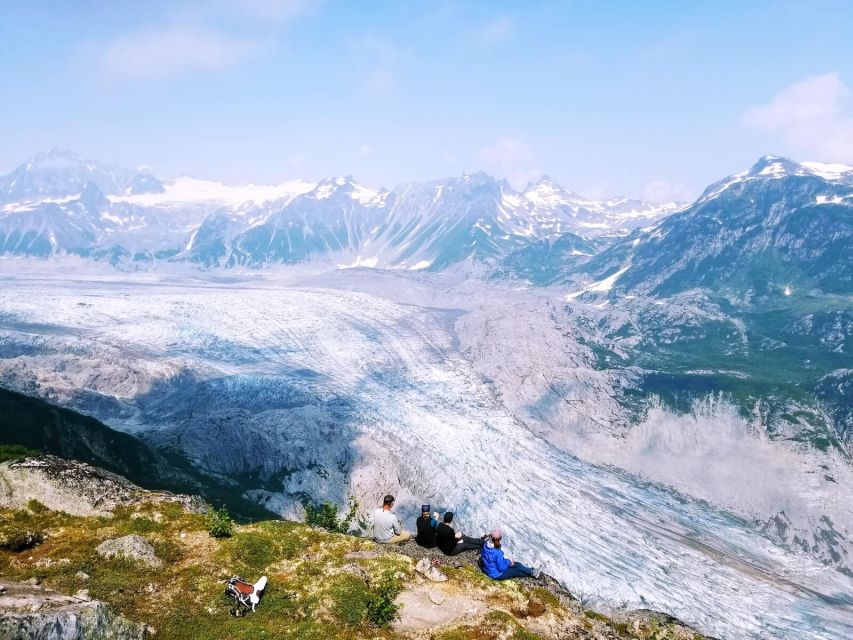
(387, 528)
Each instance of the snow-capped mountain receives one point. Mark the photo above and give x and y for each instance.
(593, 219)
(675, 398)
(776, 228)
(60, 174)
(132, 216)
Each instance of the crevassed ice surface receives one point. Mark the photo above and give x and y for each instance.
(423, 416)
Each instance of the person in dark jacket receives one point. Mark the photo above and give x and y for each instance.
(426, 526)
(496, 565)
(450, 541)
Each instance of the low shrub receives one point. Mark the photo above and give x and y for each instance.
(381, 608)
(349, 601)
(325, 515)
(15, 537)
(14, 451)
(253, 550)
(36, 507)
(219, 523)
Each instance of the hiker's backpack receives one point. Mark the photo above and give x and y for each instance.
(245, 594)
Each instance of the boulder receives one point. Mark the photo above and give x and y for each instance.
(75, 487)
(133, 547)
(37, 613)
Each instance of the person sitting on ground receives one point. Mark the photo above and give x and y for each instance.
(452, 542)
(496, 565)
(387, 528)
(426, 526)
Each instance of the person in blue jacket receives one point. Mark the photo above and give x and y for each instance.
(496, 565)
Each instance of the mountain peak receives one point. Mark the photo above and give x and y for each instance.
(775, 166)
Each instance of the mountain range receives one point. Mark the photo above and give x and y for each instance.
(671, 384)
(62, 203)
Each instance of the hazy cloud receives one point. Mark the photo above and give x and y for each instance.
(496, 30)
(809, 115)
(162, 53)
(664, 191)
(380, 60)
(201, 36)
(511, 158)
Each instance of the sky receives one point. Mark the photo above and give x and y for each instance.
(652, 100)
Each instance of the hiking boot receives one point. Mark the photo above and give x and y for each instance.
(435, 575)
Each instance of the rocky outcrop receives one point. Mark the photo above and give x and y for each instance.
(34, 613)
(132, 547)
(75, 487)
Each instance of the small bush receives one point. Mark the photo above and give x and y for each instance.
(36, 507)
(15, 451)
(219, 523)
(349, 601)
(144, 525)
(381, 608)
(14, 537)
(325, 515)
(253, 550)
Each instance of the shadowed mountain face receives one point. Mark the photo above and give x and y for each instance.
(41, 426)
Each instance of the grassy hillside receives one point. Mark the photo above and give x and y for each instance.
(321, 585)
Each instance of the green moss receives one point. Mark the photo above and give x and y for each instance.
(14, 452)
(36, 507)
(549, 599)
(350, 598)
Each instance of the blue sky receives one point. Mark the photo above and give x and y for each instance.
(643, 99)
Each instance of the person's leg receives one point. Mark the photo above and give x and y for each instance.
(402, 537)
(463, 545)
(517, 570)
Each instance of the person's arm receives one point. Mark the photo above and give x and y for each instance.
(398, 527)
(503, 562)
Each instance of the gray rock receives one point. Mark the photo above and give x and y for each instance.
(75, 487)
(82, 576)
(437, 597)
(133, 546)
(37, 613)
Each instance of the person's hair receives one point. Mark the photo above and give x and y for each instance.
(387, 500)
(448, 517)
(496, 543)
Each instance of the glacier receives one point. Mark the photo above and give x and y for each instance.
(429, 386)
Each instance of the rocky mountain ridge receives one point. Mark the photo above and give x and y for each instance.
(59, 203)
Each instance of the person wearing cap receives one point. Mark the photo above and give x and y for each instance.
(387, 528)
(452, 542)
(496, 565)
(425, 526)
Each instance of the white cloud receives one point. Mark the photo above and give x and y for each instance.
(810, 117)
(156, 53)
(275, 9)
(664, 191)
(495, 31)
(380, 58)
(197, 36)
(512, 158)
